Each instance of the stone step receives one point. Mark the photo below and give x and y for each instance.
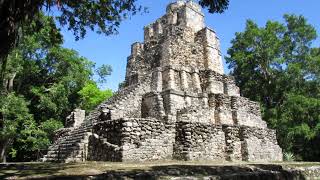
(74, 160)
(74, 141)
(78, 132)
(66, 160)
(75, 137)
(66, 146)
(60, 149)
(73, 144)
(65, 154)
(68, 142)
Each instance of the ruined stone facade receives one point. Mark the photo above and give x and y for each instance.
(176, 103)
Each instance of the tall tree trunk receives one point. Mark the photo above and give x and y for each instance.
(3, 150)
(3, 66)
(10, 82)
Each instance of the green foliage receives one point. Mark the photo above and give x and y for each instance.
(91, 96)
(215, 6)
(103, 72)
(121, 85)
(50, 126)
(102, 16)
(15, 120)
(277, 66)
(288, 156)
(15, 113)
(42, 82)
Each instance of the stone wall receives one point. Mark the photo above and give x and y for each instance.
(213, 82)
(180, 78)
(196, 114)
(135, 139)
(205, 141)
(105, 142)
(260, 144)
(127, 103)
(211, 48)
(76, 118)
(223, 111)
(247, 113)
(152, 106)
(147, 140)
(234, 144)
(199, 141)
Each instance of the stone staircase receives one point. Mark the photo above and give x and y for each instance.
(73, 146)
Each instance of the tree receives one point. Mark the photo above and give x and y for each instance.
(277, 66)
(101, 16)
(14, 114)
(103, 72)
(215, 6)
(91, 96)
(41, 84)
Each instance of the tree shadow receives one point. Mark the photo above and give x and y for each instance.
(252, 171)
(248, 171)
(20, 170)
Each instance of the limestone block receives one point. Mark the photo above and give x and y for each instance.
(191, 16)
(172, 7)
(214, 60)
(194, 114)
(168, 79)
(76, 118)
(215, 87)
(148, 33)
(212, 55)
(188, 101)
(223, 116)
(233, 143)
(198, 141)
(184, 81)
(177, 80)
(210, 38)
(196, 83)
(152, 106)
(231, 89)
(173, 101)
(247, 113)
(154, 144)
(172, 18)
(157, 81)
(136, 49)
(260, 145)
(158, 29)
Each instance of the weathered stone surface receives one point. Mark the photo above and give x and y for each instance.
(176, 103)
(76, 118)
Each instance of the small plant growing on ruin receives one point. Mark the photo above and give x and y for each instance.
(288, 156)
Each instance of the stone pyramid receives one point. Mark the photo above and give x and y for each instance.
(176, 103)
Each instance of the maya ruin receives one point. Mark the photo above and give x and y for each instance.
(176, 104)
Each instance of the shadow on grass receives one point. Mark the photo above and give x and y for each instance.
(249, 171)
(21, 170)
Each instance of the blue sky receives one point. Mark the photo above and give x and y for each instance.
(113, 50)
